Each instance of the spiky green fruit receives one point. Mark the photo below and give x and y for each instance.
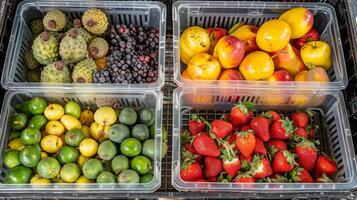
(54, 20)
(30, 61)
(56, 72)
(95, 21)
(81, 31)
(98, 48)
(83, 71)
(73, 47)
(45, 48)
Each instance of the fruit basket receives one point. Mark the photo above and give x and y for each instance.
(216, 14)
(147, 14)
(90, 100)
(334, 134)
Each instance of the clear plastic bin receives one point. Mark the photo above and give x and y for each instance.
(334, 134)
(152, 14)
(226, 14)
(89, 99)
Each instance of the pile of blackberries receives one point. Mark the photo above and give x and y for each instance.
(133, 55)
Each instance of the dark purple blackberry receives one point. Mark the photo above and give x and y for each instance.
(102, 76)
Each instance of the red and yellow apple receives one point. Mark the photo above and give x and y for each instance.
(273, 35)
(317, 54)
(312, 35)
(214, 35)
(300, 21)
(229, 51)
(280, 75)
(316, 74)
(235, 27)
(193, 40)
(257, 66)
(247, 34)
(230, 74)
(288, 58)
(203, 66)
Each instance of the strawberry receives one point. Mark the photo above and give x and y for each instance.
(213, 166)
(275, 145)
(259, 147)
(186, 137)
(188, 147)
(260, 167)
(191, 171)
(325, 165)
(212, 179)
(271, 115)
(276, 178)
(205, 145)
(306, 154)
(283, 162)
(301, 132)
(221, 128)
(301, 118)
(245, 128)
(260, 126)
(301, 175)
(282, 129)
(196, 125)
(242, 113)
(245, 142)
(245, 162)
(244, 178)
(323, 179)
(201, 180)
(311, 131)
(231, 163)
(227, 118)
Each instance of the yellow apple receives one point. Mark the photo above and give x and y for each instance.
(316, 54)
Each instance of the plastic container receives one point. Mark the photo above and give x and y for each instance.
(334, 134)
(226, 14)
(152, 14)
(90, 99)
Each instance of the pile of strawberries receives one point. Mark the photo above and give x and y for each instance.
(243, 147)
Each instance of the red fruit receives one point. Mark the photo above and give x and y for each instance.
(227, 118)
(201, 180)
(232, 138)
(311, 131)
(325, 165)
(261, 167)
(277, 178)
(259, 147)
(246, 142)
(283, 162)
(301, 175)
(312, 35)
(196, 125)
(188, 147)
(272, 115)
(215, 34)
(276, 145)
(186, 137)
(212, 179)
(301, 132)
(245, 128)
(244, 178)
(206, 146)
(245, 162)
(306, 154)
(282, 129)
(260, 126)
(231, 163)
(221, 128)
(213, 166)
(300, 119)
(323, 179)
(242, 113)
(191, 171)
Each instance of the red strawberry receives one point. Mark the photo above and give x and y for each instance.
(282, 129)
(191, 171)
(300, 118)
(311, 131)
(301, 175)
(260, 167)
(227, 118)
(221, 128)
(275, 145)
(301, 132)
(245, 142)
(312, 35)
(201, 180)
(283, 162)
(231, 163)
(272, 115)
(245, 162)
(244, 178)
(323, 179)
(186, 137)
(260, 126)
(205, 145)
(277, 178)
(245, 128)
(213, 166)
(242, 113)
(259, 147)
(306, 154)
(212, 179)
(188, 147)
(196, 124)
(325, 165)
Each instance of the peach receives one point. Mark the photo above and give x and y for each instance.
(230, 74)
(193, 40)
(247, 34)
(257, 66)
(215, 34)
(229, 51)
(280, 75)
(273, 35)
(203, 66)
(300, 21)
(317, 74)
(289, 59)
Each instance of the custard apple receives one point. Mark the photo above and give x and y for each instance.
(83, 71)
(37, 26)
(45, 48)
(30, 61)
(56, 72)
(73, 47)
(95, 21)
(55, 20)
(98, 48)
(83, 32)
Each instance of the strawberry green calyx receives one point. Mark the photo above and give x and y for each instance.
(267, 115)
(186, 137)
(277, 179)
(290, 157)
(197, 118)
(224, 177)
(306, 144)
(295, 174)
(188, 158)
(228, 154)
(245, 107)
(324, 179)
(288, 125)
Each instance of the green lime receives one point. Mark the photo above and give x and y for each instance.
(106, 177)
(149, 148)
(30, 136)
(92, 168)
(130, 147)
(141, 164)
(11, 158)
(118, 132)
(30, 156)
(107, 150)
(48, 167)
(23, 107)
(14, 135)
(18, 121)
(74, 137)
(140, 131)
(18, 175)
(37, 105)
(72, 108)
(70, 172)
(128, 176)
(119, 163)
(67, 154)
(128, 116)
(146, 178)
(146, 116)
(38, 121)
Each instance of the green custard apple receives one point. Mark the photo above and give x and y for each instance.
(45, 48)
(56, 72)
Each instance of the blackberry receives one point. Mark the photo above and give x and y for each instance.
(102, 76)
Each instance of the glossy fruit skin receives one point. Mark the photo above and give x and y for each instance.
(16, 144)
(280, 75)
(37, 105)
(260, 126)
(312, 35)
(230, 51)
(203, 66)
(54, 112)
(130, 147)
(18, 121)
(11, 158)
(55, 128)
(191, 172)
(300, 21)
(193, 40)
(230, 74)
(30, 156)
(37, 179)
(306, 154)
(74, 137)
(105, 116)
(86, 118)
(48, 167)
(72, 108)
(273, 35)
(128, 176)
(141, 164)
(325, 165)
(205, 145)
(88, 147)
(257, 66)
(70, 172)
(215, 34)
(317, 54)
(92, 168)
(51, 143)
(106, 177)
(38, 121)
(246, 142)
(67, 154)
(30, 136)
(221, 128)
(18, 175)
(282, 162)
(247, 33)
(70, 122)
